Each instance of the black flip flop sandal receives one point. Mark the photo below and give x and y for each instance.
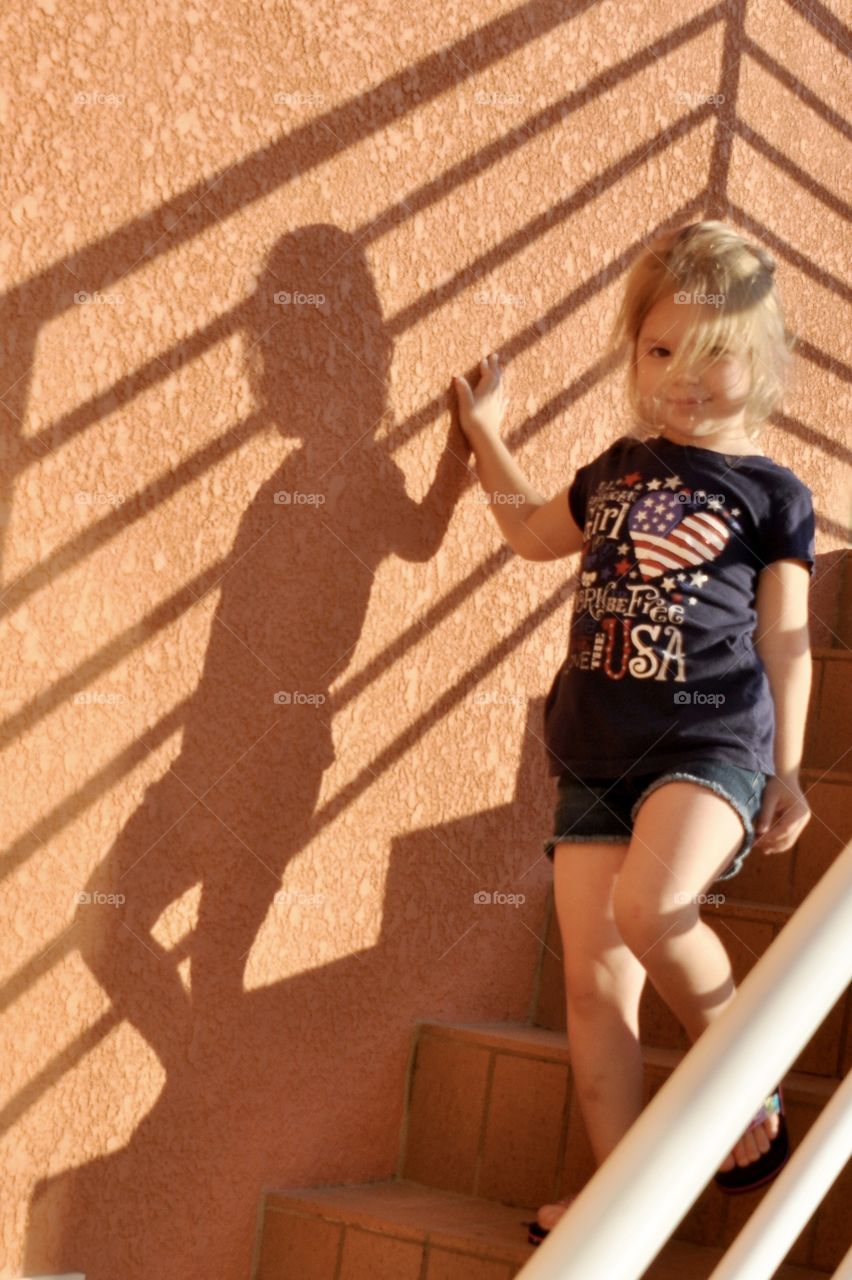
(536, 1232)
(770, 1163)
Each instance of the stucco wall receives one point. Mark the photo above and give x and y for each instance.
(285, 888)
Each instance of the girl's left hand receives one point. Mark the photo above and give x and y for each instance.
(784, 813)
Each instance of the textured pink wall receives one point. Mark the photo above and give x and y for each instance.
(298, 878)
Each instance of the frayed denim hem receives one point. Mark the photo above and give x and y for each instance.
(683, 775)
(550, 845)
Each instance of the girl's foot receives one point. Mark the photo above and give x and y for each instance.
(549, 1214)
(752, 1144)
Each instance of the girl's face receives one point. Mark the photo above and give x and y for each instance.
(703, 402)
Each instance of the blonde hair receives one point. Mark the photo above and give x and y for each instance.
(710, 259)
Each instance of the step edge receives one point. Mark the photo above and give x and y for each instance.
(795, 1082)
(458, 1239)
(834, 652)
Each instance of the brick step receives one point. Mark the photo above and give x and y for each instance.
(746, 929)
(492, 1113)
(403, 1230)
(842, 634)
(827, 739)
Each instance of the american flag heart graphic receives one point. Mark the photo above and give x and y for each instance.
(666, 539)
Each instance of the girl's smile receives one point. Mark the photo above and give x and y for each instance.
(706, 402)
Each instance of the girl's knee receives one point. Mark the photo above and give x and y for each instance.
(643, 919)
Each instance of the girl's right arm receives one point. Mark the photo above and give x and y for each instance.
(535, 528)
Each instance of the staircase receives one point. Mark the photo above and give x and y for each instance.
(492, 1128)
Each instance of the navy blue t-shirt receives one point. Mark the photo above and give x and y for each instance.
(661, 666)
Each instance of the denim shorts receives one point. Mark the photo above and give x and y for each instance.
(604, 809)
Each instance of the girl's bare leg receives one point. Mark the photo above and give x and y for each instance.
(603, 984)
(683, 836)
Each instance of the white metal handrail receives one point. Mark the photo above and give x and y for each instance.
(627, 1211)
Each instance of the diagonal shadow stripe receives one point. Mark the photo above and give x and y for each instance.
(824, 21)
(805, 95)
(307, 147)
(783, 249)
(54, 435)
(97, 535)
(794, 171)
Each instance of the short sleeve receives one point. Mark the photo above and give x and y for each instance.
(789, 530)
(578, 493)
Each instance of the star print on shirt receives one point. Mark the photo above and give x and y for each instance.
(654, 484)
(632, 478)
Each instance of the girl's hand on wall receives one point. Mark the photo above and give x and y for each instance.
(783, 815)
(484, 408)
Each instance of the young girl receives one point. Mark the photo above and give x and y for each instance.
(677, 720)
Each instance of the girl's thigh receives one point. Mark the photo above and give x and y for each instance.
(684, 834)
(597, 962)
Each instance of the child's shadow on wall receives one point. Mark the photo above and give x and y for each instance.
(238, 803)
